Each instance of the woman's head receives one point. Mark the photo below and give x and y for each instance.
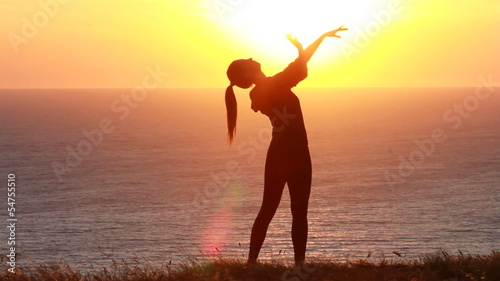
(241, 73)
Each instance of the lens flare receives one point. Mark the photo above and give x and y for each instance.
(217, 233)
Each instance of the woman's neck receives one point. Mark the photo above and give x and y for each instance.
(259, 77)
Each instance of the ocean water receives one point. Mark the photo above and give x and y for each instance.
(101, 173)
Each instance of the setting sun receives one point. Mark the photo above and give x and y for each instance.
(263, 24)
(66, 44)
(270, 20)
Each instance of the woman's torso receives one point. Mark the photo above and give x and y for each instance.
(282, 107)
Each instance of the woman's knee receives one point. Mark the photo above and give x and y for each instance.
(267, 212)
(299, 211)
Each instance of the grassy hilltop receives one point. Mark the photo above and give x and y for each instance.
(442, 267)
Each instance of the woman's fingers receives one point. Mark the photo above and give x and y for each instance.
(333, 33)
(293, 39)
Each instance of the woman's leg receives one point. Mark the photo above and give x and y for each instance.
(299, 186)
(274, 183)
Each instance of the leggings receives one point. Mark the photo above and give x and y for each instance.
(293, 167)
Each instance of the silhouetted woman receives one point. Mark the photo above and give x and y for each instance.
(288, 160)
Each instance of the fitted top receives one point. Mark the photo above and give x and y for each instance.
(273, 97)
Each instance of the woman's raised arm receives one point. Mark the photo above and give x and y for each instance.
(311, 49)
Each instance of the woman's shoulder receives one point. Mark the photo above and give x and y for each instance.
(293, 74)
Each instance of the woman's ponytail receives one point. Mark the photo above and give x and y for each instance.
(232, 113)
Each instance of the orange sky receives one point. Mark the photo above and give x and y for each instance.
(110, 43)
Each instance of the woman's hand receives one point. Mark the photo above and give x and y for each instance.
(293, 39)
(306, 54)
(333, 33)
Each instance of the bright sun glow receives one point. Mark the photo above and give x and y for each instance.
(395, 43)
(303, 18)
(264, 24)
